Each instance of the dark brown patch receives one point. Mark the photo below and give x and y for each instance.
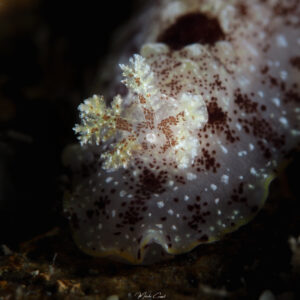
(242, 9)
(207, 162)
(273, 81)
(238, 194)
(215, 114)
(263, 131)
(218, 121)
(244, 102)
(291, 96)
(149, 182)
(295, 62)
(192, 28)
(285, 9)
(264, 70)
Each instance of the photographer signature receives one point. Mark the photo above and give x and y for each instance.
(150, 295)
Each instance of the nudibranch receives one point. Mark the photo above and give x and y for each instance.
(186, 154)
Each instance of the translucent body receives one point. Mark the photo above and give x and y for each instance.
(188, 154)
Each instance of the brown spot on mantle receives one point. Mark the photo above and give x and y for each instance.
(295, 62)
(192, 28)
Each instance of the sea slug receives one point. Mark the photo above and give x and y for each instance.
(185, 155)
